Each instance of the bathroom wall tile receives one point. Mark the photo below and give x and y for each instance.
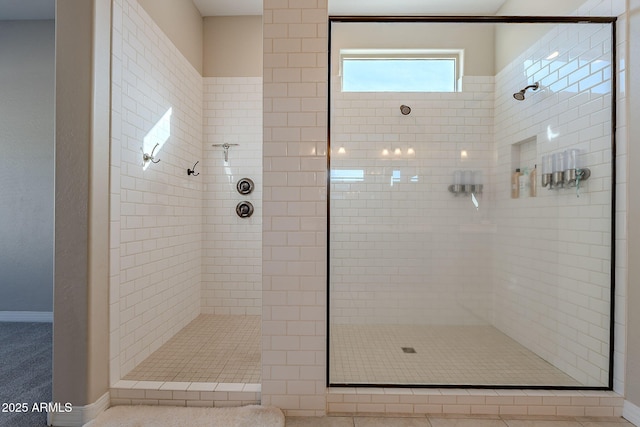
(485, 409)
(390, 421)
(566, 120)
(513, 410)
(119, 401)
(541, 410)
(158, 394)
(153, 112)
(461, 422)
(233, 245)
(293, 128)
(427, 409)
(369, 408)
(456, 409)
(419, 398)
(571, 411)
(411, 167)
(200, 403)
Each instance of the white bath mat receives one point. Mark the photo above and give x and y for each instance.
(166, 416)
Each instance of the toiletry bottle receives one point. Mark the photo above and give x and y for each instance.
(523, 183)
(533, 181)
(515, 184)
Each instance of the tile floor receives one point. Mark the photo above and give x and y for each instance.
(455, 421)
(463, 355)
(226, 349)
(212, 349)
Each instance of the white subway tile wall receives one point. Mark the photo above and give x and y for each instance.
(232, 251)
(156, 210)
(551, 254)
(618, 8)
(294, 221)
(193, 394)
(416, 401)
(161, 247)
(404, 249)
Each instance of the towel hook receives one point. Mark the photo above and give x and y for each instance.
(149, 157)
(193, 171)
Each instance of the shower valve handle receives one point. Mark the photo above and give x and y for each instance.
(245, 186)
(244, 209)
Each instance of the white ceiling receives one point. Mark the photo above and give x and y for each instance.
(12, 10)
(45, 9)
(363, 7)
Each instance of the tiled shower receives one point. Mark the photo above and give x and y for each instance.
(156, 208)
(179, 251)
(186, 269)
(410, 257)
(552, 259)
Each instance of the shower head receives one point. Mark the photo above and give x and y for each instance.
(520, 95)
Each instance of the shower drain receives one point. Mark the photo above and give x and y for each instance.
(408, 349)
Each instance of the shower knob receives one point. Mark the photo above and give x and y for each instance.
(244, 209)
(245, 186)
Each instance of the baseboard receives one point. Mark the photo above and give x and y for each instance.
(26, 316)
(631, 413)
(79, 415)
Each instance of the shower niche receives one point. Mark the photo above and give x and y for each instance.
(487, 294)
(524, 155)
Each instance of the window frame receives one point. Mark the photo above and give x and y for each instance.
(457, 55)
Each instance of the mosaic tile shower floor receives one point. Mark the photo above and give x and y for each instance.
(226, 349)
(444, 355)
(212, 348)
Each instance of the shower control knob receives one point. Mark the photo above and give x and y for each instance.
(245, 186)
(244, 209)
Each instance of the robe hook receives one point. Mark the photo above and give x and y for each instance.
(193, 171)
(149, 157)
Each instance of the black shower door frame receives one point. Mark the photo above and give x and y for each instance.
(480, 20)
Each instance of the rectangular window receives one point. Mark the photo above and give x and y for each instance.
(400, 72)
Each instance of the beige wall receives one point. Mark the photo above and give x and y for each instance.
(182, 23)
(632, 380)
(81, 322)
(232, 46)
(476, 40)
(216, 46)
(26, 165)
(512, 39)
(539, 7)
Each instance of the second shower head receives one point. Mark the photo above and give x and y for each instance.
(520, 95)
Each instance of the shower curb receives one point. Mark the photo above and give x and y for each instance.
(420, 401)
(184, 393)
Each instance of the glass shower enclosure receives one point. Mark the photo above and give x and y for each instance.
(471, 189)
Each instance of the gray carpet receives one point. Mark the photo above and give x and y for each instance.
(25, 371)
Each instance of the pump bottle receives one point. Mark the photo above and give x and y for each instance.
(515, 184)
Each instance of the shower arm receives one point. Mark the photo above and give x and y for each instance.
(226, 147)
